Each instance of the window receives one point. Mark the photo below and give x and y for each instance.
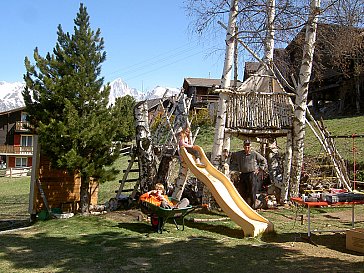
(24, 116)
(21, 162)
(27, 141)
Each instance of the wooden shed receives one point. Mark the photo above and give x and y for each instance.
(61, 189)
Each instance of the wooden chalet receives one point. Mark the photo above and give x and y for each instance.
(154, 108)
(16, 143)
(202, 91)
(250, 69)
(338, 66)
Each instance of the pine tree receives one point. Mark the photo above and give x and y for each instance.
(124, 108)
(68, 105)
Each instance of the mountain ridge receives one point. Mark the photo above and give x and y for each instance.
(11, 97)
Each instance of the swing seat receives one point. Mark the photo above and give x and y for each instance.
(159, 216)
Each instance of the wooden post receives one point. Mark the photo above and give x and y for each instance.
(34, 177)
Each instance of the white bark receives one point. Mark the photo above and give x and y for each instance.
(301, 98)
(225, 83)
(287, 169)
(147, 164)
(269, 40)
(180, 121)
(181, 113)
(181, 181)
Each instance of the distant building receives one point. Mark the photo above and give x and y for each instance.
(16, 142)
(202, 91)
(338, 67)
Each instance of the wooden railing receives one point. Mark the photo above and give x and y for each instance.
(257, 110)
(22, 126)
(207, 98)
(21, 150)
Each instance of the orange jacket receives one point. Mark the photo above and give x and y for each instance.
(154, 199)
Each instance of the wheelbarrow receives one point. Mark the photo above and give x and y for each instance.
(159, 216)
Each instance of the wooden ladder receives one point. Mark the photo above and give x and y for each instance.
(125, 180)
(329, 146)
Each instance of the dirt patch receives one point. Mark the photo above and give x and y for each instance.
(125, 216)
(344, 216)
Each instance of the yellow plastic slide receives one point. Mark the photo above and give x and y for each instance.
(227, 196)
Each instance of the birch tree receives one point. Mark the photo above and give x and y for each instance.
(301, 98)
(180, 122)
(147, 164)
(225, 83)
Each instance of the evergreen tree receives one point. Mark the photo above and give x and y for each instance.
(124, 108)
(68, 106)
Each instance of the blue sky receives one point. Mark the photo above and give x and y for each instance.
(148, 43)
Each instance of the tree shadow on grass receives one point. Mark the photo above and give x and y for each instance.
(6, 225)
(217, 229)
(333, 241)
(140, 228)
(125, 251)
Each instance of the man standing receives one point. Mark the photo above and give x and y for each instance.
(250, 164)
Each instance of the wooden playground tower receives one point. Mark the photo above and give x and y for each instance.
(260, 110)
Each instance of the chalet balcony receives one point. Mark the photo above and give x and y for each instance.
(207, 98)
(22, 126)
(204, 100)
(19, 150)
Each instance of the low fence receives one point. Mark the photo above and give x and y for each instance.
(15, 172)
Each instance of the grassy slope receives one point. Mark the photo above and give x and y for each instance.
(340, 126)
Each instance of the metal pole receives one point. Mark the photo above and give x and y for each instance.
(354, 163)
(308, 222)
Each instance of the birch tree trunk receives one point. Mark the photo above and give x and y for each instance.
(180, 121)
(181, 181)
(269, 39)
(162, 175)
(301, 98)
(147, 164)
(287, 169)
(225, 83)
(181, 113)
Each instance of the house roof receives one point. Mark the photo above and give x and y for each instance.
(203, 82)
(13, 110)
(251, 66)
(153, 103)
(261, 81)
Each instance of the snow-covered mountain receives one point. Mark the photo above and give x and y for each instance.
(120, 89)
(11, 97)
(159, 92)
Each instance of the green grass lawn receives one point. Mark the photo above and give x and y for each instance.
(114, 243)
